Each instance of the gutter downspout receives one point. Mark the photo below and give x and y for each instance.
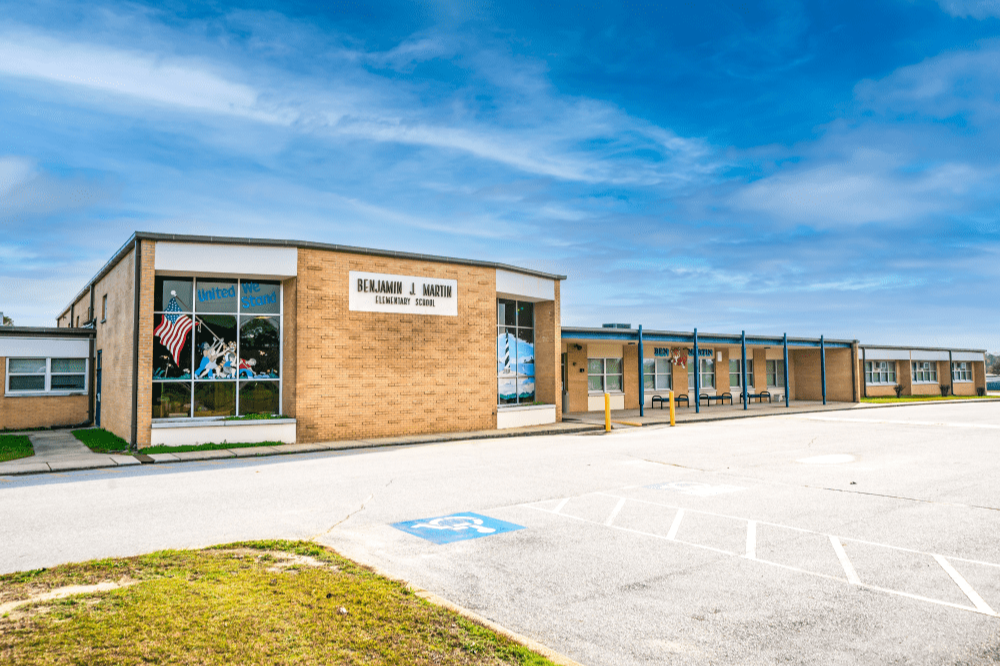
(133, 445)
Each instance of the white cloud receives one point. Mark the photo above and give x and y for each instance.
(13, 172)
(977, 9)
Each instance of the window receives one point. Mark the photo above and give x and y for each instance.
(707, 367)
(104, 308)
(736, 377)
(216, 347)
(46, 375)
(961, 371)
(656, 374)
(775, 373)
(515, 352)
(924, 372)
(605, 375)
(880, 372)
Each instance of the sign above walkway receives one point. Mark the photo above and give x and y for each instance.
(456, 527)
(386, 293)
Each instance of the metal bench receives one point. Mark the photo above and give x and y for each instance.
(759, 397)
(677, 400)
(718, 398)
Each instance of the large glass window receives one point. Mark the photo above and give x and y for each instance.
(961, 371)
(924, 372)
(880, 372)
(707, 367)
(736, 377)
(605, 375)
(45, 375)
(656, 374)
(515, 352)
(775, 373)
(216, 347)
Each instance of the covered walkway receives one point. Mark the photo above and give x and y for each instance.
(653, 416)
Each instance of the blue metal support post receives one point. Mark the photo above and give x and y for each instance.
(642, 381)
(743, 371)
(822, 365)
(786, 370)
(697, 375)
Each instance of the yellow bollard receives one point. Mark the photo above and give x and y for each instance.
(672, 413)
(607, 412)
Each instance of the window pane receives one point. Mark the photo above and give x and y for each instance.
(734, 366)
(259, 398)
(69, 365)
(595, 366)
(172, 340)
(64, 382)
(260, 348)
(215, 296)
(214, 399)
(178, 289)
(734, 379)
(525, 390)
(614, 382)
(663, 367)
(507, 390)
(215, 347)
(27, 383)
(171, 400)
(260, 298)
(525, 314)
(595, 383)
(649, 365)
(525, 352)
(27, 366)
(648, 381)
(613, 366)
(506, 313)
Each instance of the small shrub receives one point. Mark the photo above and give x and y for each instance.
(980, 391)
(944, 389)
(899, 390)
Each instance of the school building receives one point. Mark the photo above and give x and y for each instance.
(192, 339)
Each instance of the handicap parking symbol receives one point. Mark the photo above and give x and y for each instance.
(456, 527)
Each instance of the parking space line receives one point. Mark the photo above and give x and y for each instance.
(980, 607)
(672, 534)
(964, 585)
(614, 512)
(900, 422)
(561, 505)
(751, 540)
(845, 562)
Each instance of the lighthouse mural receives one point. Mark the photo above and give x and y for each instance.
(515, 368)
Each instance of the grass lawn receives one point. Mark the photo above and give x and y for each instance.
(15, 447)
(250, 603)
(170, 449)
(914, 399)
(100, 440)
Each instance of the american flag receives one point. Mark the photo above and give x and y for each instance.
(174, 329)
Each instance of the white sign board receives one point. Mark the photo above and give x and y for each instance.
(386, 293)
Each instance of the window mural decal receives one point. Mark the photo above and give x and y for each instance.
(515, 352)
(230, 332)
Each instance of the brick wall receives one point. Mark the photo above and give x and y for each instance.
(548, 355)
(576, 372)
(363, 375)
(289, 347)
(147, 289)
(40, 411)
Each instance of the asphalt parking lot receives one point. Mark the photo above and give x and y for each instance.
(866, 536)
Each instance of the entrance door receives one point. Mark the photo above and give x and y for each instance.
(97, 392)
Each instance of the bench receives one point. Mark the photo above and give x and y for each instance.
(718, 398)
(760, 397)
(661, 400)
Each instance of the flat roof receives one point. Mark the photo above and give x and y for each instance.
(866, 346)
(42, 332)
(657, 336)
(285, 243)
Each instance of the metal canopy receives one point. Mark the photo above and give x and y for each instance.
(735, 340)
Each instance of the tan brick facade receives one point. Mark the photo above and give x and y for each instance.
(548, 355)
(363, 375)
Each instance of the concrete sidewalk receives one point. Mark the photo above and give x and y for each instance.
(60, 451)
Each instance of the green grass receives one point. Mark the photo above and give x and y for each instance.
(251, 603)
(168, 449)
(15, 447)
(912, 399)
(100, 440)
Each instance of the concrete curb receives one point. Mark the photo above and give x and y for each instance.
(433, 598)
(29, 467)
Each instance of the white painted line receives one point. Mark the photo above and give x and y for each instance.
(614, 512)
(852, 576)
(964, 585)
(900, 421)
(561, 505)
(672, 534)
(751, 540)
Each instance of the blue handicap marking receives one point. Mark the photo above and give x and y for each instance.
(456, 527)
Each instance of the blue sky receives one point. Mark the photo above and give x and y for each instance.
(811, 168)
